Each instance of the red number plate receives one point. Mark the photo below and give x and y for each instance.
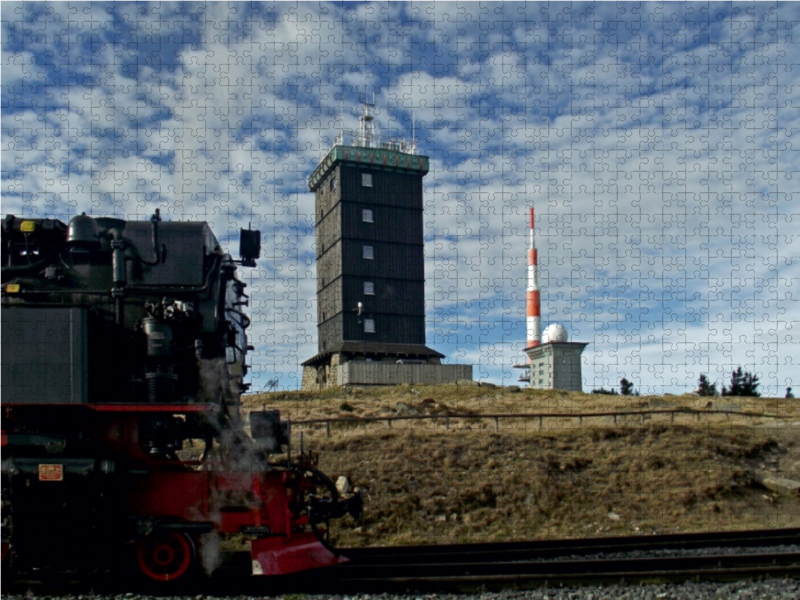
(51, 472)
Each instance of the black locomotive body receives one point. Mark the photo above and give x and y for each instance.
(123, 359)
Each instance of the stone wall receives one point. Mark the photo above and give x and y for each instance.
(381, 373)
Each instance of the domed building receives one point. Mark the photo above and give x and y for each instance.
(555, 364)
(555, 333)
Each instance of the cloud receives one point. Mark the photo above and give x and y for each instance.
(657, 143)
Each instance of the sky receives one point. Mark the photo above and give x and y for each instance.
(655, 140)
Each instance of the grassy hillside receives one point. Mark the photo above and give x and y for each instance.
(425, 483)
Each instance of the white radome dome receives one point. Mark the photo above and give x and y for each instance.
(555, 333)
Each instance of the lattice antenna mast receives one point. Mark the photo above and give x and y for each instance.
(367, 137)
(413, 133)
(341, 122)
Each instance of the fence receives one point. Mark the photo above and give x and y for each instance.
(531, 416)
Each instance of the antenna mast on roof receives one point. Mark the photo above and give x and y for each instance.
(366, 127)
(341, 122)
(413, 134)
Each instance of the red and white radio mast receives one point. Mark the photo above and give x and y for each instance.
(532, 300)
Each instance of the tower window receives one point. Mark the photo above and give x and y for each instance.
(332, 184)
(366, 215)
(369, 288)
(369, 325)
(366, 180)
(369, 252)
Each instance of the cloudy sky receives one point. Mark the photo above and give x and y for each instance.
(655, 141)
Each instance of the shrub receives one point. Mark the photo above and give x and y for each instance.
(705, 387)
(743, 383)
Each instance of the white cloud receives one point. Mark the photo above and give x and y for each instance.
(660, 158)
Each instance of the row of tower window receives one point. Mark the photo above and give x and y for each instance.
(366, 216)
(369, 252)
(366, 181)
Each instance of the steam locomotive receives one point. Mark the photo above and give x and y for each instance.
(123, 362)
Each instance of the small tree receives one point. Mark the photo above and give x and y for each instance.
(743, 383)
(611, 392)
(789, 393)
(625, 387)
(705, 387)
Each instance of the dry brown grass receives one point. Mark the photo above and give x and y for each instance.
(426, 484)
(493, 399)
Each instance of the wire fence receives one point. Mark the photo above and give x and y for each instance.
(540, 417)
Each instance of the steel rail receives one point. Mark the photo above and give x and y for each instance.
(573, 547)
(351, 571)
(483, 583)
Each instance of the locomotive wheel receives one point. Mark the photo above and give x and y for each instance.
(165, 556)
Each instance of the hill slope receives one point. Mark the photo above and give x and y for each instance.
(427, 483)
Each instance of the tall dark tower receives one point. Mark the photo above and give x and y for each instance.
(370, 265)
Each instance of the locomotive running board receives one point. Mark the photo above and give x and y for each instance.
(279, 555)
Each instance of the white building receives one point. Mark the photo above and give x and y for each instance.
(556, 363)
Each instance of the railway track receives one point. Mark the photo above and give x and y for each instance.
(470, 577)
(520, 565)
(471, 567)
(575, 547)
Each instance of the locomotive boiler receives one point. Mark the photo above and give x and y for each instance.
(123, 360)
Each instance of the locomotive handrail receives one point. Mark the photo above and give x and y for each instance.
(525, 416)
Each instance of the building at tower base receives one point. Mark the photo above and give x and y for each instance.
(377, 364)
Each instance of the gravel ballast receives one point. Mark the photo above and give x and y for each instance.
(770, 589)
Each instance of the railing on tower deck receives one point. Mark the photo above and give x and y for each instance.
(394, 144)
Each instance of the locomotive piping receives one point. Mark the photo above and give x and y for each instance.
(154, 220)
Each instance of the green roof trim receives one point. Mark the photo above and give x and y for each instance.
(376, 158)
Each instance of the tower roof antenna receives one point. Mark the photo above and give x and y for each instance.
(367, 137)
(341, 122)
(413, 133)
